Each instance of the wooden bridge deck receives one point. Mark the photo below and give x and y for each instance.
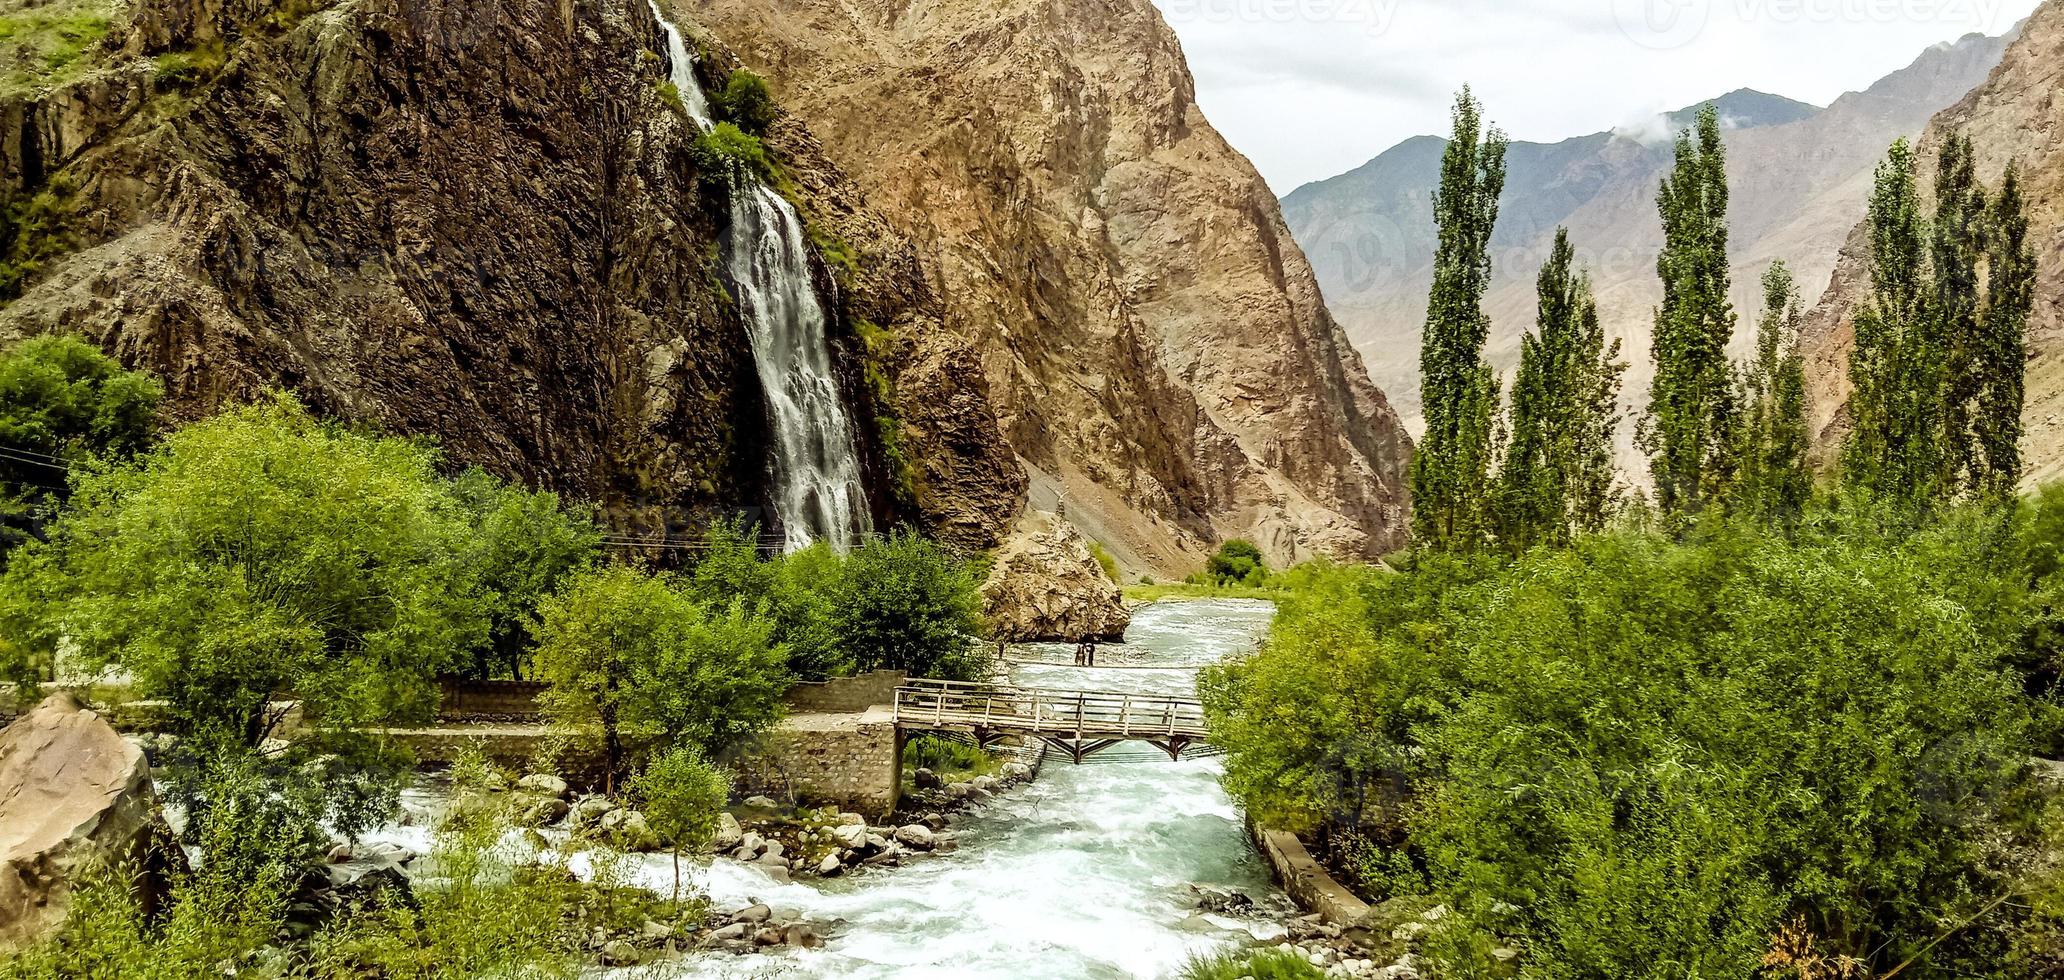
(1079, 723)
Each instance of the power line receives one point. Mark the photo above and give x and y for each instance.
(31, 452)
(11, 456)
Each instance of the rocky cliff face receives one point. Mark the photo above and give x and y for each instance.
(2016, 115)
(1153, 339)
(481, 222)
(1799, 177)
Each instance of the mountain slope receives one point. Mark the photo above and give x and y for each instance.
(2017, 114)
(1798, 179)
(477, 222)
(1153, 338)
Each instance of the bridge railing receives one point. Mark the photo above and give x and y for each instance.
(955, 705)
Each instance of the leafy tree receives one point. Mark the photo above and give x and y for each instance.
(682, 796)
(1647, 749)
(524, 544)
(1557, 476)
(1237, 562)
(1895, 365)
(1938, 365)
(626, 653)
(1451, 467)
(794, 591)
(1690, 411)
(745, 102)
(62, 404)
(1774, 483)
(251, 556)
(902, 602)
(2000, 357)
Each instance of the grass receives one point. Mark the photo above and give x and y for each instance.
(949, 758)
(1258, 964)
(47, 45)
(1104, 558)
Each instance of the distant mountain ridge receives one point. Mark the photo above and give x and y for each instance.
(1800, 176)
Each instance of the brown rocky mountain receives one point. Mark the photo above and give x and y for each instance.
(482, 222)
(1798, 176)
(1153, 338)
(491, 224)
(2015, 115)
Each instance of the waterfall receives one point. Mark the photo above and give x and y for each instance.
(816, 466)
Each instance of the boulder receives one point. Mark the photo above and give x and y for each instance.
(801, 935)
(752, 913)
(587, 812)
(830, 865)
(627, 830)
(1045, 585)
(916, 836)
(851, 835)
(542, 812)
(72, 792)
(544, 784)
(729, 835)
(926, 779)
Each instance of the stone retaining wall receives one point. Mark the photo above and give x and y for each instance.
(1306, 880)
(857, 693)
(465, 700)
(850, 761)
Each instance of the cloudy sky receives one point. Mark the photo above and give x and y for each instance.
(1311, 88)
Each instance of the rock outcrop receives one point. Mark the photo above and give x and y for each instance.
(1153, 340)
(1045, 584)
(481, 222)
(73, 796)
(2016, 115)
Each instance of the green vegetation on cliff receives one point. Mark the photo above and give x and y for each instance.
(49, 44)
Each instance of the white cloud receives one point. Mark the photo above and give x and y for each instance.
(1312, 88)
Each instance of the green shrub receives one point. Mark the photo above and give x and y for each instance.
(192, 66)
(745, 102)
(732, 155)
(1237, 562)
(948, 757)
(51, 43)
(1105, 561)
(1647, 751)
(63, 403)
(1251, 964)
(34, 229)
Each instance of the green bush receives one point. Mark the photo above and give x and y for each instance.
(1251, 964)
(35, 228)
(1105, 561)
(745, 102)
(732, 155)
(948, 757)
(1645, 751)
(524, 545)
(1237, 562)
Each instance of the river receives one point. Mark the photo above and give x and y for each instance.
(1077, 875)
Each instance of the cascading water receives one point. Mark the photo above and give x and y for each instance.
(816, 467)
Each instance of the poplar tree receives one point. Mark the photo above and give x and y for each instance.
(1450, 470)
(1558, 476)
(1687, 431)
(2001, 356)
(1893, 406)
(1938, 365)
(1774, 483)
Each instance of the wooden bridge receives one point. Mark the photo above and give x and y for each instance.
(1079, 723)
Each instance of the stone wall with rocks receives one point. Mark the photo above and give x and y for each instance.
(1307, 881)
(464, 700)
(853, 762)
(857, 693)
